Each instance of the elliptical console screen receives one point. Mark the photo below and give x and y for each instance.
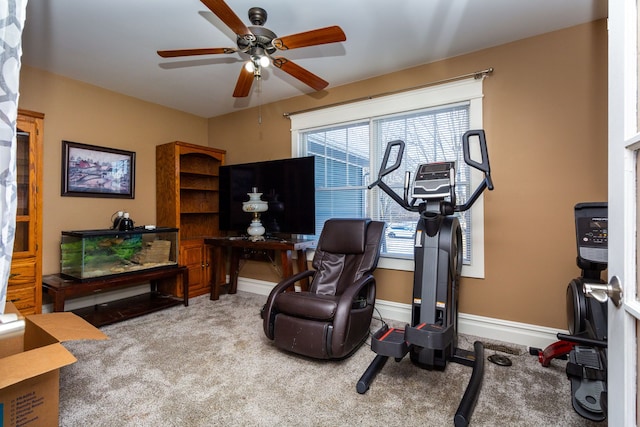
(434, 180)
(593, 238)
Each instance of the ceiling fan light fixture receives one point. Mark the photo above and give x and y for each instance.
(249, 66)
(264, 61)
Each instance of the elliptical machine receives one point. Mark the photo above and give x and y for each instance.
(586, 344)
(431, 339)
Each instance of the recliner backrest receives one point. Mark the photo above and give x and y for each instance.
(347, 249)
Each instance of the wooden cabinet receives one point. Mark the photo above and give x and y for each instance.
(25, 280)
(187, 186)
(196, 256)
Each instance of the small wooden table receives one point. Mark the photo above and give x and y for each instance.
(239, 245)
(60, 288)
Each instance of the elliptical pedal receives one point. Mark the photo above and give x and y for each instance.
(390, 342)
(588, 381)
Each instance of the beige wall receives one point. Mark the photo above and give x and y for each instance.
(545, 114)
(545, 117)
(78, 112)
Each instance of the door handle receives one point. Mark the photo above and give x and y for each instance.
(602, 291)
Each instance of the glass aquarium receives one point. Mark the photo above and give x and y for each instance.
(92, 254)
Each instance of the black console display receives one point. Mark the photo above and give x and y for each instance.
(592, 232)
(434, 180)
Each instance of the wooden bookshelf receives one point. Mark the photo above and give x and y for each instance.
(187, 197)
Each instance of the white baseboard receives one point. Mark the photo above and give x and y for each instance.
(469, 324)
(260, 287)
(508, 331)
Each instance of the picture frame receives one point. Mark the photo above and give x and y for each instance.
(93, 171)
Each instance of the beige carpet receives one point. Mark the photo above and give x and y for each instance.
(210, 364)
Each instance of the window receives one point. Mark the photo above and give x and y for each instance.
(349, 141)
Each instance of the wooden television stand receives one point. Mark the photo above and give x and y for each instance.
(243, 246)
(61, 288)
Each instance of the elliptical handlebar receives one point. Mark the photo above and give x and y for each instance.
(466, 149)
(482, 165)
(386, 170)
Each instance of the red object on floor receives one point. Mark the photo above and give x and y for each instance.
(557, 349)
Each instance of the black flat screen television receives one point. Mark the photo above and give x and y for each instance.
(288, 185)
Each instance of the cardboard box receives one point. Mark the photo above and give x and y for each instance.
(30, 365)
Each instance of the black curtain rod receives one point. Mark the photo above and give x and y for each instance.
(476, 75)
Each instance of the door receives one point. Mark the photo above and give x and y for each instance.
(624, 146)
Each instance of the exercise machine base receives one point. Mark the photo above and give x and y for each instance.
(391, 342)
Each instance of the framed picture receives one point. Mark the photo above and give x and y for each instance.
(92, 171)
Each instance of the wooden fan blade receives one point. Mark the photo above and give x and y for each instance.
(193, 52)
(243, 85)
(310, 38)
(226, 15)
(302, 74)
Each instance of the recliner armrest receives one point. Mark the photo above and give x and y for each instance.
(278, 289)
(341, 319)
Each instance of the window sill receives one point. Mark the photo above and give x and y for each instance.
(396, 263)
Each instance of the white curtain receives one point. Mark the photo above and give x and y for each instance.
(12, 17)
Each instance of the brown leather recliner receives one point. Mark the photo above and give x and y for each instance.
(332, 318)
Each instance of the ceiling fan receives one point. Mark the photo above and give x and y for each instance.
(260, 43)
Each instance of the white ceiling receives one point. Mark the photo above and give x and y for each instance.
(113, 43)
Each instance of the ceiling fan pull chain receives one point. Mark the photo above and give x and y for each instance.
(259, 100)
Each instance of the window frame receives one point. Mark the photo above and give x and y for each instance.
(467, 90)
